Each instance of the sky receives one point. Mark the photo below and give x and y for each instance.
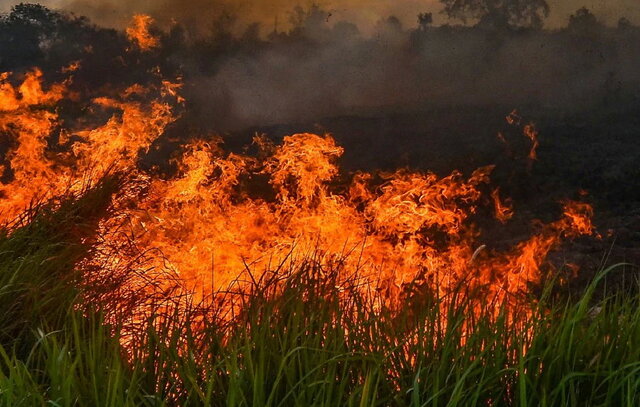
(362, 12)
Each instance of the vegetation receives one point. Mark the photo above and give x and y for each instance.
(233, 72)
(499, 13)
(300, 336)
(303, 343)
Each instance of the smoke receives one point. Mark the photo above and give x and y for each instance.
(349, 59)
(411, 71)
(199, 14)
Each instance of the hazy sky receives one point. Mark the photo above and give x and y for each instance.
(363, 12)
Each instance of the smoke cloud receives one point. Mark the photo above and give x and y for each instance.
(348, 59)
(401, 71)
(364, 13)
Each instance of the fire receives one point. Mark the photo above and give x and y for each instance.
(226, 220)
(531, 132)
(503, 209)
(26, 115)
(578, 215)
(29, 122)
(139, 33)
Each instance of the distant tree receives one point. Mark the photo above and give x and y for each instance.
(391, 24)
(31, 34)
(624, 24)
(22, 31)
(310, 23)
(222, 27)
(345, 30)
(499, 13)
(310, 20)
(389, 30)
(424, 21)
(251, 34)
(583, 23)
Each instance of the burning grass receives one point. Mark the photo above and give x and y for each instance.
(305, 331)
(304, 337)
(225, 219)
(273, 279)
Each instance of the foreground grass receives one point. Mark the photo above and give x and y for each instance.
(306, 345)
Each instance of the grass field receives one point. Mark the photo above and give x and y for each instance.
(304, 344)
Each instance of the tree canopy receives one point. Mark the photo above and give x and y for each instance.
(499, 13)
(32, 34)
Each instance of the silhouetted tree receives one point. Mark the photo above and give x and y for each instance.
(424, 21)
(222, 28)
(499, 13)
(389, 25)
(583, 23)
(344, 30)
(24, 32)
(310, 23)
(624, 24)
(251, 36)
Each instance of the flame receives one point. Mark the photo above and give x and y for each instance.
(578, 215)
(503, 209)
(30, 121)
(139, 33)
(531, 132)
(227, 220)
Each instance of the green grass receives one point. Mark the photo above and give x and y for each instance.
(300, 342)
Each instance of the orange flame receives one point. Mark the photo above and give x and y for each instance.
(225, 218)
(531, 132)
(139, 33)
(29, 120)
(503, 210)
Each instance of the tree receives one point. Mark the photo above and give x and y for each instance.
(624, 24)
(424, 21)
(22, 32)
(499, 13)
(389, 25)
(311, 22)
(31, 34)
(583, 23)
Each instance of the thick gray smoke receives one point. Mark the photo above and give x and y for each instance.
(349, 59)
(340, 72)
(331, 66)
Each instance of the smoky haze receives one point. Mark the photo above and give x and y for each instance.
(394, 95)
(349, 58)
(316, 63)
(364, 13)
(323, 70)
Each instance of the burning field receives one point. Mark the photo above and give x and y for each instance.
(148, 257)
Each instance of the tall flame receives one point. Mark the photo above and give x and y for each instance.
(227, 218)
(139, 33)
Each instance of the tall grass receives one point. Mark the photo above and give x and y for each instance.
(38, 255)
(300, 342)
